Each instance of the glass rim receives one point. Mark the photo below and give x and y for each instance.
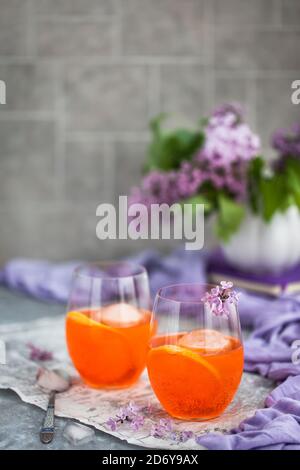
(206, 286)
(103, 265)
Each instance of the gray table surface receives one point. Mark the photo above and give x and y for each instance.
(20, 422)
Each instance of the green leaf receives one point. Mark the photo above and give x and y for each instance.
(167, 150)
(287, 202)
(292, 171)
(294, 164)
(273, 192)
(199, 199)
(255, 175)
(155, 124)
(230, 216)
(293, 184)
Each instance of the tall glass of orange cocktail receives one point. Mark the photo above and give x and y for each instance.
(108, 323)
(195, 361)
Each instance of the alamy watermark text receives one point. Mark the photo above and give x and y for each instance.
(160, 221)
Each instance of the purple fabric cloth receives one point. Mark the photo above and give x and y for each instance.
(275, 326)
(52, 281)
(218, 264)
(41, 279)
(274, 428)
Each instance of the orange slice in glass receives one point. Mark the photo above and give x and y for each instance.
(101, 353)
(205, 341)
(182, 380)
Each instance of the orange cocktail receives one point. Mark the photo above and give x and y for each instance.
(109, 345)
(195, 375)
(108, 323)
(195, 362)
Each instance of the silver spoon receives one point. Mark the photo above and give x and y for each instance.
(54, 381)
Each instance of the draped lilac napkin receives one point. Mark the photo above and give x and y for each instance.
(274, 428)
(275, 326)
(52, 281)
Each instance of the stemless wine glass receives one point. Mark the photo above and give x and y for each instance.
(108, 323)
(195, 361)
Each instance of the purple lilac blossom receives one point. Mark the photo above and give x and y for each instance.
(220, 297)
(185, 436)
(228, 139)
(165, 430)
(162, 429)
(157, 431)
(221, 163)
(167, 424)
(287, 141)
(130, 414)
(112, 424)
(137, 422)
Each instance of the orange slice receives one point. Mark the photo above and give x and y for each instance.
(205, 341)
(101, 354)
(82, 317)
(182, 380)
(179, 352)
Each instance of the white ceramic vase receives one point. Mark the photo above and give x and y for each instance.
(259, 246)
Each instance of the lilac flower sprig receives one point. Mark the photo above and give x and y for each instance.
(228, 139)
(220, 297)
(135, 417)
(130, 414)
(219, 167)
(165, 430)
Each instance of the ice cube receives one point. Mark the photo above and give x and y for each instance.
(205, 341)
(78, 434)
(120, 314)
(52, 380)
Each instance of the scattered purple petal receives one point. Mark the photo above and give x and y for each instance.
(157, 431)
(38, 354)
(130, 414)
(185, 436)
(164, 429)
(112, 424)
(166, 424)
(137, 422)
(174, 436)
(122, 414)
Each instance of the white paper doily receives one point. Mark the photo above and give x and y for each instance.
(94, 407)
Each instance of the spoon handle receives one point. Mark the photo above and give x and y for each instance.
(47, 430)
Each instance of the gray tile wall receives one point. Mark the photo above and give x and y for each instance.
(83, 79)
